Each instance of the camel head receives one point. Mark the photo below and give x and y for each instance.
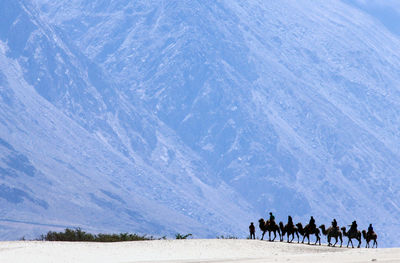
(344, 230)
(324, 231)
(299, 226)
(364, 233)
(262, 224)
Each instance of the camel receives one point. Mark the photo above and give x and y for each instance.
(332, 232)
(352, 234)
(267, 226)
(370, 236)
(263, 227)
(282, 228)
(307, 231)
(289, 230)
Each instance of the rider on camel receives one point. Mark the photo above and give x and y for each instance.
(312, 223)
(353, 227)
(334, 224)
(271, 218)
(370, 229)
(290, 221)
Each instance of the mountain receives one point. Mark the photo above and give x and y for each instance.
(64, 158)
(213, 112)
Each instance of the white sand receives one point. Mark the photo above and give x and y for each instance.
(196, 250)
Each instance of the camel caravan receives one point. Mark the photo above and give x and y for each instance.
(332, 232)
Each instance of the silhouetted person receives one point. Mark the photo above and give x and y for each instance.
(290, 221)
(312, 223)
(353, 227)
(252, 230)
(334, 223)
(370, 229)
(271, 218)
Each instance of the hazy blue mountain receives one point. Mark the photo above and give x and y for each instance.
(216, 111)
(75, 152)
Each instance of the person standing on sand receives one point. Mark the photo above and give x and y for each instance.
(252, 231)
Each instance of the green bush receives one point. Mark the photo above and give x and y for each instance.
(79, 235)
(179, 236)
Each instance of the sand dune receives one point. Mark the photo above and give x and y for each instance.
(196, 250)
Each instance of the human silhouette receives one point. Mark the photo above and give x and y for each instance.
(271, 218)
(252, 230)
(312, 223)
(370, 229)
(353, 227)
(334, 223)
(290, 221)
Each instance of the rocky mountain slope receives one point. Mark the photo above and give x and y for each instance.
(216, 111)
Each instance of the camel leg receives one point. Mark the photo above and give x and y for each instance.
(298, 239)
(359, 243)
(317, 239)
(262, 237)
(375, 242)
(274, 236)
(351, 241)
(303, 238)
(336, 239)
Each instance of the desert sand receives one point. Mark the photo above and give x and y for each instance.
(194, 250)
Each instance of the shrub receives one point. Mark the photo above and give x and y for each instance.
(79, 235)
